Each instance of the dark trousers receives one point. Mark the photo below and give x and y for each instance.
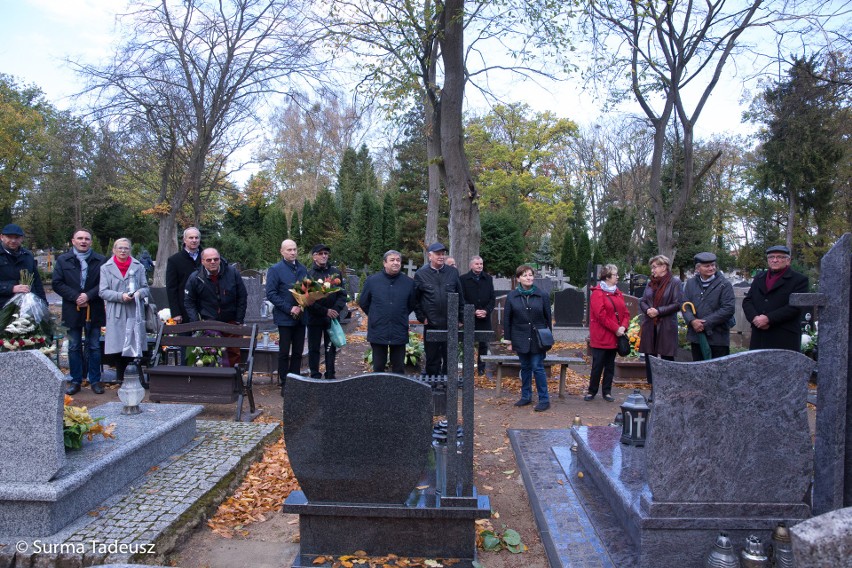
(291, 343)
(380, 358)
(716, 351)
(436, 355)
(316, 335)
(483, 350)
(648, 365)
(603, 361)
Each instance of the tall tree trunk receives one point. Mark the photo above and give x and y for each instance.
(167, 239)
(465, 232)
(433, 154)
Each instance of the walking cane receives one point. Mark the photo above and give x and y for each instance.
(702, 337)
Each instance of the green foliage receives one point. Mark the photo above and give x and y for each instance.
(616, 235)
(584, 256)
(296, 229)
(502, 247)
(414, 351)
(544, 253)
(568, 258)
(390, 239)
(494, 542)
(273, 233)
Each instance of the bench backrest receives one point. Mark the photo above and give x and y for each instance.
(242, 336)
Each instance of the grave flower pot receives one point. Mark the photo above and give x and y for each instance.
(630, 370)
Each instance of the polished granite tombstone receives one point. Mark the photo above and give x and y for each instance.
(360, 448)
(363, 439)
(728, 449)
(31, 399)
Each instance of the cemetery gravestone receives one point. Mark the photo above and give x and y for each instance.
(632, 303)
(638, 282)
(545, 285)
(569, 307)
(353, 286)
(31, 400)
(255, 296)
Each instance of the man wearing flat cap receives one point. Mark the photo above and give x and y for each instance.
(775, 324)
(713, 298)
(13, 259)
(432, 283)
(320, 313)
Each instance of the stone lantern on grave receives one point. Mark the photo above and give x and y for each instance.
(634, 412)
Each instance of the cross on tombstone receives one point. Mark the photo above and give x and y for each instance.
(410, 268)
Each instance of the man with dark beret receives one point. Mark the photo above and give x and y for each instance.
(775, 324)
(713, 298)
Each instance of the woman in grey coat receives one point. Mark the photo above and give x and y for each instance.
(123, 287)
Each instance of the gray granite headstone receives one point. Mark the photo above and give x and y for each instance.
(731, 430)
(363, 439)
(159, 297)
(545, 285)
(31, 400)
(353, 285)
(825, 540)
(569, 307)
(833, 444)
(255, 295)
(632, 303)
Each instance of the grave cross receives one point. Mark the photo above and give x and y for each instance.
(410, 268)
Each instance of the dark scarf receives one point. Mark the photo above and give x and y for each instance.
(659, 286)
(524, 292)
(772, 278)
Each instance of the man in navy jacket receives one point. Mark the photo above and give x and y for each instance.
(387, 299)
(287, 314)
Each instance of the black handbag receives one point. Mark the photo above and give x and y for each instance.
(545, 337)
(622, 342)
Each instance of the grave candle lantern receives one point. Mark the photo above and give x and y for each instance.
(634, 412)
(131, 392)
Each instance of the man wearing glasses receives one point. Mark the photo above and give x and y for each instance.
(321, 312)
(216, 292)
(775, 324)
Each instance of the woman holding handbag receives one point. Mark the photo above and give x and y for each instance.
(527, 327)
(608, 322)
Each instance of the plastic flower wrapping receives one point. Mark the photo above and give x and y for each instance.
(307, 290)
(25, 322)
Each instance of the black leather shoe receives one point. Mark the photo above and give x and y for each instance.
(541, 406)
(523, 402)
(72, 389)
(589, 397)
(608, 398)
(98, 388)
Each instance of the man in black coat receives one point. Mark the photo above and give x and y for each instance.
(76, 278)
(178, 268)
(478, 287)
(216, 291)
(433, 282)
(775, 324)
(321, 312)
(387, 298)
(13, 259)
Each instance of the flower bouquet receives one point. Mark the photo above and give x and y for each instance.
(633, 335)
(25, 321)
(78, 423)
(307, 291)
(205, 356)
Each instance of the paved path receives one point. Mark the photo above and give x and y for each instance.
(143, 523)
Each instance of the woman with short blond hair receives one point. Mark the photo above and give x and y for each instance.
(658, 308)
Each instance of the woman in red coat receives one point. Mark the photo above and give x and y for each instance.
(660, 305)
(608, 319)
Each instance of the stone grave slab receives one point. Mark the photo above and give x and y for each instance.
(728, 448)
(98, 470)
(825, 540)
(31, 399)
(545, 285)
(255, 296)
(632, 303)
(569, 307)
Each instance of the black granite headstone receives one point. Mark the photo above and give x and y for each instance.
(637, 284)
(364, 439)
(569, 307)
(632, 303)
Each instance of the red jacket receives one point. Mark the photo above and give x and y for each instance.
(602, 321)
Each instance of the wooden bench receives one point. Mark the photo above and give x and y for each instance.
(549, 361)
(219, 385)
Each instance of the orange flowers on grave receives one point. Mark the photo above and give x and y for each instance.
(78, 423)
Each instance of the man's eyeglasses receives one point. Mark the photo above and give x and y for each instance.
(776, 257)
(322, 253)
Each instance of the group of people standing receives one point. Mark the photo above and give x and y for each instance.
(707, 305)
